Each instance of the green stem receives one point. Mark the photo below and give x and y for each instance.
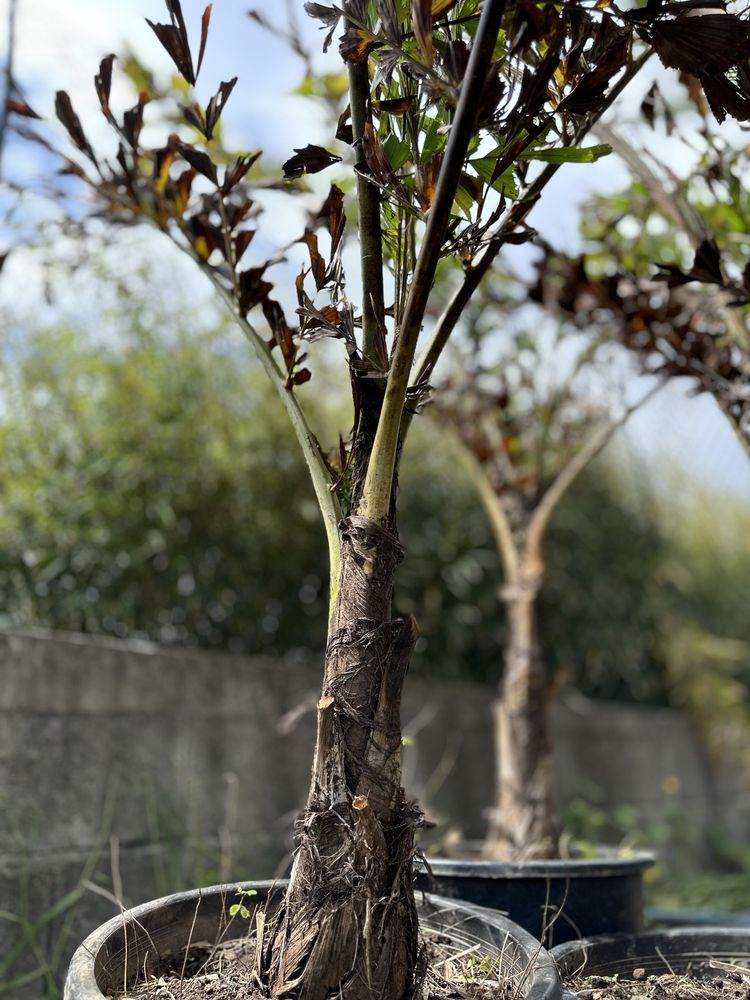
(376, 496)
(368, 198)
(572, 469)
(501, 530)
(328, 503)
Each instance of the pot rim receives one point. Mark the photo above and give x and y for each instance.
(699, 941)
(81, 983)
(599, 867)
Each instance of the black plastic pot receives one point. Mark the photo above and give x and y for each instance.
(686, 949)
(119, 950)
(556, 901)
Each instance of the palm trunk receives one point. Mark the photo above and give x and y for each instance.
(348, 926)
(524, 822)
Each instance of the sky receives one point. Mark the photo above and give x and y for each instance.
(59, 46)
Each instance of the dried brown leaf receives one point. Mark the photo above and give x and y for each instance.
(132, 121)
(389, 19)
(216, 106)
(237, 170)
(328, 15)
(175, 40)
(374, 154)
(242, 241)
(103, 84)
(198, 159)
(394, 105)
(356, 44)
(205, 20)
(727, 97)
(21, 108)
(252, 288)
(72, 123)
(344, 129)
(426, 181)
(309, 160)
(317, 261)
(332, 212)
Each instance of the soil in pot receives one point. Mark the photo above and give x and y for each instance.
(132, 950)
(451, 969)
(686, 964)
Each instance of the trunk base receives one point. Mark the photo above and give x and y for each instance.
(348, 925)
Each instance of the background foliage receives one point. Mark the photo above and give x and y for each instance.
(149, 493)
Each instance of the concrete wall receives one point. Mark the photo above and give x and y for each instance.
(144, 770)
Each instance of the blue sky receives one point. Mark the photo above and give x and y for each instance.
(59, 46)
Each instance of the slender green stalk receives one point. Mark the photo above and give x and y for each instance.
(368, 199)
(376, 497)
(328, 503)
(499, 525)
(570, 472)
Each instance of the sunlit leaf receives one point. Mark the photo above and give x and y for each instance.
(317, 261)
(568, 154)
(397, 151)
(441, 7)
(426, 181)
(332, 213)
(421, 15)
(356, 44)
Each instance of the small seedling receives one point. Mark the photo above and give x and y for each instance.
(239, 908)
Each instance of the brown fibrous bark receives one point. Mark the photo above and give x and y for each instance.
(348, 926)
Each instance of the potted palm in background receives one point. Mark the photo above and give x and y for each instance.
(524, 434)
(673, 333)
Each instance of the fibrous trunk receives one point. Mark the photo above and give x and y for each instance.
(524, 821)
(348, 926)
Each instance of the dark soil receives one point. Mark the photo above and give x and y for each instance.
(705, 982)
(227, 971)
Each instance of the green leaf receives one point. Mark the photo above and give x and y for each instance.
(397, 151)
(464, 199)
(485, 166)
(568, 154)
(434, 140)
